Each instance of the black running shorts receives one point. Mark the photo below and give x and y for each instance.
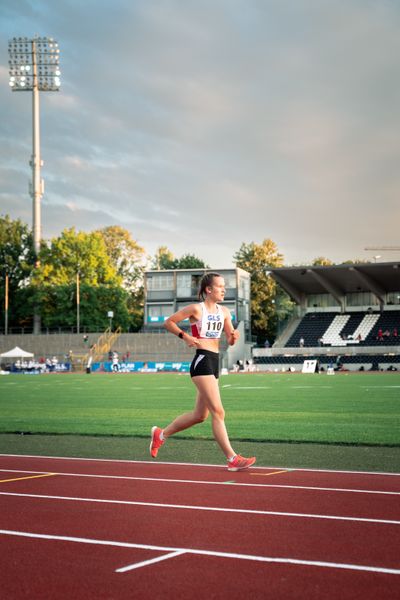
(205, 362)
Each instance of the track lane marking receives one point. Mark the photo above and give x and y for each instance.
(273, 473)
(169, 549)
(180, 464)
(205, 508)
(206, 482)
(29, 477)
(151, 561)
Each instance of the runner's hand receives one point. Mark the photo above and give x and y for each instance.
(191, 341)
(233, 337)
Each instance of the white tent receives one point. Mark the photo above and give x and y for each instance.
(16, 353)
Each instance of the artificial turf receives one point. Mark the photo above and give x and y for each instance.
(353, 409)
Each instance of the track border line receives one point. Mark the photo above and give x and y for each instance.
(205, 508)
(169, 549)
(149, 462)
(205, 482)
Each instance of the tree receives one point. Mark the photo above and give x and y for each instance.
(190, 261)
(164, 259)
(75, 251)
(256, 259)
(321, 261)
(126, 256)
(128, 259)
(53, 284)
(17, 259)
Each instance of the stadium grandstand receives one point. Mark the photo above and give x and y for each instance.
(347, 317)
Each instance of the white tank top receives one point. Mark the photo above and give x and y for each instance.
(210, 326)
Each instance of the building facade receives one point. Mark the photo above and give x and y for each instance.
(166, 291)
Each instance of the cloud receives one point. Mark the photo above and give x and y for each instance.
(205, 125)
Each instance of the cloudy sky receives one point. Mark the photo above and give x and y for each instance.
(203, 124)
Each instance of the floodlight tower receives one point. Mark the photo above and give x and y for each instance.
(34, 67)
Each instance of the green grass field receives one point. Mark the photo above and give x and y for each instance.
(355, 409)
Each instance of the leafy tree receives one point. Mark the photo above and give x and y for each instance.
(190, 261)
(127, 257)
(17, 259)
(321, 261)
(256, 259)
(54, 283)
(164, 259)
(356, 261)
(75, 251)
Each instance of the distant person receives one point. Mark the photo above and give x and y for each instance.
(115, 362)
(301, 342)
(266, 344)
(208, 320)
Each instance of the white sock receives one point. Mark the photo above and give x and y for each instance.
(162, 436)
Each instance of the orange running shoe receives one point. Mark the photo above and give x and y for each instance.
(156, 442)
(239, 463)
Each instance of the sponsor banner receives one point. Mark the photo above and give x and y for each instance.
(141, 367)
(38, 369)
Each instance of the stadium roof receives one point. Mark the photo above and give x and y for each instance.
(338, 280)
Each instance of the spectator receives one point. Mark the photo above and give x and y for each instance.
(380, 335)
(301, 342)
(266, 344)
(115, 365)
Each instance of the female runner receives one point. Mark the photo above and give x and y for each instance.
(208, 319)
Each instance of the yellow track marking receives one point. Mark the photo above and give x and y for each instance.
(267, 474)
(30, 477)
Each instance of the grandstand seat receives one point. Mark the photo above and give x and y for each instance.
(347, 329)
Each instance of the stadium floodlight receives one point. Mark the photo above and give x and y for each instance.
(34, 64)
(34, 67)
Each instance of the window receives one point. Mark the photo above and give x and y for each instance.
(321, 301)
(393, 298)
(160, 281)
(361, 299)
(183, 285)
(158, 313)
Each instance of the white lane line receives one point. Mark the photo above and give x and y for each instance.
(205, 482)
(272, 513)
(267, 559)
(151, 561)
(184, 464)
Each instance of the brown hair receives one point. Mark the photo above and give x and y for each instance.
(206, 281)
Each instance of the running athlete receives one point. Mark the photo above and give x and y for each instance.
(207, 319)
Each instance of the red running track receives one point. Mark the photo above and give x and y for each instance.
(68, 527)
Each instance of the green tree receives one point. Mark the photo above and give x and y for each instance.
(17, 259)
(257, 259)
(127, 257)
(321, 261)
(54, 283)
(164, 259)
(75, 251)
(190, 261)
